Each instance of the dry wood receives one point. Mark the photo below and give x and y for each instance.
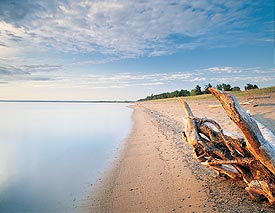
(250, 158)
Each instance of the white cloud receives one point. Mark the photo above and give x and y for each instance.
(118, 28)
(240, 71)
(33, 72)
(52, 75)
(92, 85)
(201, 79)
(238, 79)
(225, 69)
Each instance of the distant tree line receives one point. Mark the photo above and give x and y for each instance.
(176, 93)
(197, 91)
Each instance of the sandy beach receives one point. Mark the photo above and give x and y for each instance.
(155, 170)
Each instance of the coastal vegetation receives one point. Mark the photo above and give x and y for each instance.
(198, 92)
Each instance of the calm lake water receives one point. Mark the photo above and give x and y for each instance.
(51, 153)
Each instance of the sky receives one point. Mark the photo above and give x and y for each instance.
(128, 49)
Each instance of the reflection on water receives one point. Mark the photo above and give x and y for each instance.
(51, 153)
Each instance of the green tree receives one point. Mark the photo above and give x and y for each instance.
(206, 87)
(250, 86)
(184, 92)
(226, 87)
(219, 86)
(236, 89)
(196, 91)
(174, 94)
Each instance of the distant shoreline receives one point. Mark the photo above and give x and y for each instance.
(61, 101)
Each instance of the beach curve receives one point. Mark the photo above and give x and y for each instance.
(155, 171)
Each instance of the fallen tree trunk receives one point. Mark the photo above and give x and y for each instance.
(250, 158)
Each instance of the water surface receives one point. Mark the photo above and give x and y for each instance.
(51, 153)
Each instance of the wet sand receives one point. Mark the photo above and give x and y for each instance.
(156, 172)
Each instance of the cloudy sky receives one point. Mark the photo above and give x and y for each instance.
(128, 49)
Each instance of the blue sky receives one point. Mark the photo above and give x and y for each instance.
(128, 49)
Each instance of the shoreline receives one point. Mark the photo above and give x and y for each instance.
(148, 175)
(155, 171)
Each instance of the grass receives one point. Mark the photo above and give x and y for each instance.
(247, 93)
(255, 92)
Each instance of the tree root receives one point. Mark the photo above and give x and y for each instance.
(250, 158)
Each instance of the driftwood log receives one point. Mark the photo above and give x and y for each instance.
(250, 158)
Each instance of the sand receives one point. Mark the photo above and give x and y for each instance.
(155, 170)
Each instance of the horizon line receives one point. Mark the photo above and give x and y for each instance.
(68, 101)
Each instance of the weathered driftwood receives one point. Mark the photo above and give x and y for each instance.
(250, 158)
